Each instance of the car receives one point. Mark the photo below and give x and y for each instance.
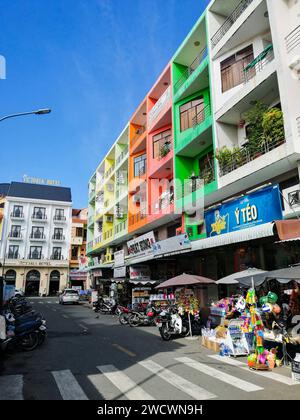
(69, 296)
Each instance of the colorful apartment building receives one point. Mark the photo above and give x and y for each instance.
(78, 258)
(220, 128)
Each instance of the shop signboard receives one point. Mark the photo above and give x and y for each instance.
(8, 292)
(78, 288)
(94, 296)
(97, 273)
(78, 275)
(262, 206)
(119, 258)
(176, 243)
(140, 272)
(119, 272)
(143, 245)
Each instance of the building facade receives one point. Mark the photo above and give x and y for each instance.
(35, 237)
(220, 129)
(78, 256)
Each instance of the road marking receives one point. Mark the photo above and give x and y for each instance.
(267, 375)
(68, 386)
(124, 350)
(177, 381)
(221, 376)
(83, 327)
(11, 387)
(129, 388)
(65, 316)
(54, 310)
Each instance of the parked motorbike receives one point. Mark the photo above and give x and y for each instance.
(136, 319)
(170, 323)
(124, 315)
(105, 307)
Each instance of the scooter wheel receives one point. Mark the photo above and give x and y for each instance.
(165, 333)
(134, 321)
(123, 319)
(30, 342)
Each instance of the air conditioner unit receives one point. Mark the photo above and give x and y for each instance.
(136, 198)
(291, 200)
(109, 219)
(119, 215)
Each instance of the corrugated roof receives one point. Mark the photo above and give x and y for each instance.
(40, 192)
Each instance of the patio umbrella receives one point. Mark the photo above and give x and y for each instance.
(235, 278)
(185, 280)
(283, 275)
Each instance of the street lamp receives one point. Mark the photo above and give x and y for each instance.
(38, 112)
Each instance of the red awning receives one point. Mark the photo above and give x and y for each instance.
(288, 229)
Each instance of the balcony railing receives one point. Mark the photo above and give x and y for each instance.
(164, 149)
(232, 18)
(190, 69)
(109, 171)
(258, 64)
(13, 256)
(159, 106)
(91, 220)
(39, 216)
(58, 237)
(90, 244)
(59, 218)
(15, 235)
(108, 234)
(202, 116)
(120, 227)
(36, 256)
(122, 156)
(37, 236)
(246, 155)
(98, 240)
(136, 218)
(293, 39)
(163, 203)
(17, 215)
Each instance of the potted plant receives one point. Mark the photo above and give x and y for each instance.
(165, 149)
(255, 132)
(224, 157)
(273, 126)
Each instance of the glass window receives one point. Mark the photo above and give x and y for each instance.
(39, 213)
(35, 252)
(56, 254)
(160, 141)
(140, 165)
(59, 214)
(232, 73)
(18, 211)
(37, 232)
(58, 233)
(15, 231)
(189, 111)
(13, 251)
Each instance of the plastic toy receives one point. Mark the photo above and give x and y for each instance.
(272, 297)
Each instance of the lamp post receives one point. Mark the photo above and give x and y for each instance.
(37, 112)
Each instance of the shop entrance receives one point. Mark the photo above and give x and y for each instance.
(33, 278)
(78, 284)
(54, 282)
(10, 277)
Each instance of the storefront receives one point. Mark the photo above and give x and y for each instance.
(78, 279)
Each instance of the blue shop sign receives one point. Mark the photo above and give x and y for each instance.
(260, 207)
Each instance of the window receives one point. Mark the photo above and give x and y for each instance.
(59, 214)
(161, 141)
(13, 252)
(15, 231)
(35, 253)
(140, 165)
(189, 111)
(39, 213)
(232, 73)
(37, 232)
(56, 254)
(18, 211)
(58, 233)
(74, 252)
(79, 232)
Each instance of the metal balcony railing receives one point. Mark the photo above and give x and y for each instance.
(190, 69)
(39, 216)
(109, 171)
(122, 156)
(17, 215)
(37, 236)
(246, 155)
(15, 234)
(293, 39)
(258, 64)
(58, 237)
(120, 227)
(163, 203)
(232, 18)
(56, 257)
(36, 256)
(136, 218)
(201, 116)
(59, 218)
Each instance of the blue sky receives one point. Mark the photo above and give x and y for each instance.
(92, 62)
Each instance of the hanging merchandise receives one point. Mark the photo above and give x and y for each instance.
(236, 340)
(187, 302)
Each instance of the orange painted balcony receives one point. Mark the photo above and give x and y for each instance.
(136, 221)
(138, 142)
(160, 153)
(160, 113)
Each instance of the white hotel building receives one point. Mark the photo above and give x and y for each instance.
(35, 237)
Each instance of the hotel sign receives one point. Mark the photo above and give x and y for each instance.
(41, 181)
(143, 245)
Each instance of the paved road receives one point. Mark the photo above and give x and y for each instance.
(98, 359)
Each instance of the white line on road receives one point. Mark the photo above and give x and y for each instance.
(178, 382)
(221, 376)
(68, 386)
(65, 316)
(267, 375)
(11, 387)
(129, 388)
